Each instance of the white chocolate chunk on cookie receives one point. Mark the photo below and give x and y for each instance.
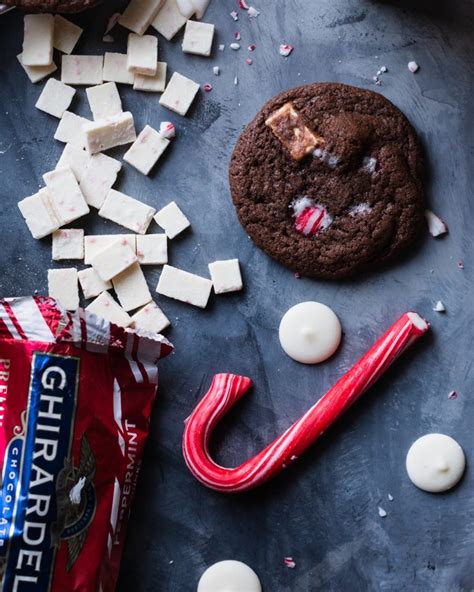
(82, 69)
(142, 54)
(106, 307)
(98, 178)
(152, 249)
(226, 276)
(179, 94)
(91, 283)
(146, 150)
(139, 14)
(38, 214)
(172, 220)
(131, 288)
(108, 133)
(68, 243)
(156, 83)
(55, 98)
(184, 286)
(150, 318)
(75, 158)
(104, 100)
(70, 131)
(169, 20)
(36, 73)
(115, 68)
(114, 259)
(62, 285)
(127, 211)
(94, 243)
(38, 40)
(65, 195)
(66, 34)
(198, 38)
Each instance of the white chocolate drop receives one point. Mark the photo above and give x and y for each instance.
(229, 576)
(310, 332)
(435, 462)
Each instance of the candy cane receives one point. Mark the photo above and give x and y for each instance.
(226, 389)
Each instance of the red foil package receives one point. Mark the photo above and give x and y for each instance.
(76, 393)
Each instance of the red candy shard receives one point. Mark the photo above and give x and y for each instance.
(310, 218)
(252, 47)
(243, 5)
(436, 226)
(207, 87)
(285, 49)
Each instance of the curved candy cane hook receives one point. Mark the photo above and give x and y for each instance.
(226, 389)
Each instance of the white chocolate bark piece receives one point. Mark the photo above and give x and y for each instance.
(156, 83)
(106, 307)
(38, 40)
(38, 214)
(68, 243)
(62, 285)
(104, 100)
(131, 288)
(70, 131)
(200, 6)
(139, 14)
(146, 150)
(127, 211)
(186, 8)
(172, 220)
(65, 195)
(82, 69)
(75, 158)
(66, 34)
(152, 249)
(150, 318)
(112, 260)
(36, 73)
(115, 68)
(108, 133)
(179, 94)
(198, 38)
(91, 283)
(142, 54)
(98, 178)
(169, 20)
(226, 276)
(94, 243)
(184, 286)
(55, 98)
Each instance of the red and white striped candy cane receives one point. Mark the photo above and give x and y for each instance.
(226, 389)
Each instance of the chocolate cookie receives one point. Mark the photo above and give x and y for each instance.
(327, 179)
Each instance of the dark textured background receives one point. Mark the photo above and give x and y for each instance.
(323, 511)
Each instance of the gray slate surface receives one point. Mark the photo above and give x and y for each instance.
(323, 511)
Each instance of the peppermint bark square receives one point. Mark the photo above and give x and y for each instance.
(172, 220)
(184, 286)
(106, 307)
(131, 288)
(68, 243)
(198, 38)
(77, 160)
(109, 133)
(62, 285)
(156, 83)
(179, 94)
(94, 243)
(70, 131)
(91, 283)
(38, 40)
(226, 276)
(38, 214)
(169, 20)
(98, 178)
(139, 14)
(150, 318)
(127, 211)
(152, 249)
(55, 98)
(82, 69)
(36, 73)
(146, 150)
(66, 34)
(65, 194)
(114, 259)
(142, 54)
(104, 100)
(115, 68)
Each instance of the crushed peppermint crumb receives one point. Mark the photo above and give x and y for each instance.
(167, 130)
(235, 46)
(439, 307)
(436, 226)
(390, 497)
(113, 20)
(413, 67)
(252, 47)
(237, 35)
(221, 47)
(236, 81)
(382, 512)
(452, 395)
(249, 61)
(234, 15)
(207, 87)
(243, 5)
(297, 275)
(252, 12)
(289, 562)
(171, 561)
(216, 70)
(285, 49)
(383, 69)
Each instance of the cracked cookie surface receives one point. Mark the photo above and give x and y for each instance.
(348, 205)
